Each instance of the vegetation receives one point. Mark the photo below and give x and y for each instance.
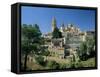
(40, 60)
(56, 33)
(86, 49)
(88, 63)
(31, 41)
(53, 65)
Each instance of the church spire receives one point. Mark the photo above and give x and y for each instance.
(54, 25)
(62, 27)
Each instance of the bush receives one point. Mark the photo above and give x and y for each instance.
(53, 65)
(40, 60)
(84, 57)
(76, 64)
(72, 65)
(63, 66)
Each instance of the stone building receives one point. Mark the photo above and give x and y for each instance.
(71, 40)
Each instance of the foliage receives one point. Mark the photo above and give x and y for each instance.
(56, 33)
(31, 36)
(45, 51)
(86, 49)
(53, 65)
(88, 63)
(90, 47)
(76, 65)
(40, 60)
(63, 66)
(31, 33)
(83, 51)
(32, 42)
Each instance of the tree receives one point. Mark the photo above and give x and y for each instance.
(40, 60)
(90, 47)
(86, 49)
(56, 33)
(83, 51)
(31, 36)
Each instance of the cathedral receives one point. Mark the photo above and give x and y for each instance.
(71, 34)
(71, 39)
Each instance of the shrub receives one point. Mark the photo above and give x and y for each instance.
(40, 60)
(72, 65)
(52, 65)
(84, 57)
(63, 66)
(76, 64)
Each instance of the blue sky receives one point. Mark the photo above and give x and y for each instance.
(84, 19)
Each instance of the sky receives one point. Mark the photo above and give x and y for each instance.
(83, 19)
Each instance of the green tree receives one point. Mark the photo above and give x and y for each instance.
(83, 51)
(40, 60)
(56, 33)
(90, 47)
(86, 49)
(31, 36)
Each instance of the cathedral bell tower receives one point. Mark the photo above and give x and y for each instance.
(54, 25)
